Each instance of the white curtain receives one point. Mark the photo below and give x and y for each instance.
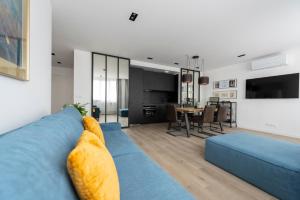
(99, 95)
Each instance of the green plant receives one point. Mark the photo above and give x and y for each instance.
(80, 107)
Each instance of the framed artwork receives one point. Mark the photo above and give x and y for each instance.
(229, 94)
(225, 84)
(14, 38)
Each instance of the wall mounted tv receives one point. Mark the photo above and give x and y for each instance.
(273, 87)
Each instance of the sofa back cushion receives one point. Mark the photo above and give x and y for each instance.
(33, 158)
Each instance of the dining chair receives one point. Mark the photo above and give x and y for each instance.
(221, 116)
(207, 117)
(173, 118)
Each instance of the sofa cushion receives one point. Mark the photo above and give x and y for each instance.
(92, 125)
(33, 158)
(92, 170)
(91, 138)
(272, 165)
(140, 178)
(117, 142)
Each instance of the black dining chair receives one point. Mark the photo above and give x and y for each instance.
(173, 119)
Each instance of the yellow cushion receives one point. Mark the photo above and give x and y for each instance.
(89, 137)
(91, 124)
(93, 172)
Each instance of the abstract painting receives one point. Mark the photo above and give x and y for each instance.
(14, 38)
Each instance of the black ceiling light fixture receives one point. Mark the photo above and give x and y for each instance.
(53, 54)
(203, 80)
(242, 55)
(149, 58)
(187, 78)
(176, 63)
(58, 62)
(133, 16)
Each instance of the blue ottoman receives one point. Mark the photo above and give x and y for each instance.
(124, 112)
(271, 165)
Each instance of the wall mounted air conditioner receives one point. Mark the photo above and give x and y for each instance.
(269, 62)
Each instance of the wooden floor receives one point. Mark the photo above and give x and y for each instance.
(183, 158)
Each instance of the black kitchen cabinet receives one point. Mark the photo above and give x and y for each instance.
(136, 95)
(150, 92)
(159, 81)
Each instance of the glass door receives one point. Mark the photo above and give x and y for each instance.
(110, 92)
(123, 91)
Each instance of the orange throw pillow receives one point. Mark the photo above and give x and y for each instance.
(89, 137)
(92, 125)
(92, 170)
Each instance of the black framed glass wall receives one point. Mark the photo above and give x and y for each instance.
(190, 92)
(110, 88)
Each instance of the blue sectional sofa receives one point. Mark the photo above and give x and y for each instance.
(33, 162)
(269, 164)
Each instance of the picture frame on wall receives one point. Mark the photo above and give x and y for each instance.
(228, 94)
(14, 38)
(225, 84)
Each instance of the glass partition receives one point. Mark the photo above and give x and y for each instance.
(99, 87)
(110, 92)
(190, 92)
(123, 91)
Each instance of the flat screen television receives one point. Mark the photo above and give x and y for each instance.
(273, 87)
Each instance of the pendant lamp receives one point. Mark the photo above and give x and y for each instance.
(187, 78)
(203, 80)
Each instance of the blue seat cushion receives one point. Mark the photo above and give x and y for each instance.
(118, 143)
(33, 158)
(272, 165)
(141, 179)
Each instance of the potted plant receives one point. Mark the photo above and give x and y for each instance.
(80, 107)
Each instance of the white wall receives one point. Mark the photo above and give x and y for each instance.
(82, 78)
(23, 102)
(278, 116)
(62, 87)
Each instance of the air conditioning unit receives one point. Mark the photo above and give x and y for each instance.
(269, 62)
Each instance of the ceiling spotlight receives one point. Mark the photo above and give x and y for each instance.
(133, 16)
(53, 54)
(150, 58)
(58, 62)
(242, 55)
(176, 63)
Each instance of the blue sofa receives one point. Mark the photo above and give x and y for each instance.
(33, 162)
(271, 165)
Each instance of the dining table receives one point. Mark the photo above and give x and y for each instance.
(186, 111)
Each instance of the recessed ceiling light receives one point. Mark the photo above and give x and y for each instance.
(242, 55)
(133, 16)
(58, 62)
(53, 54)
(150, 58)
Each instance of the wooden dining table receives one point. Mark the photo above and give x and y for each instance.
(186, 111)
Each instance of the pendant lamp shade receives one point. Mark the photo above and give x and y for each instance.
(203, 80)
(187, 78)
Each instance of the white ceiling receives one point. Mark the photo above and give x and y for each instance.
(167, 30)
